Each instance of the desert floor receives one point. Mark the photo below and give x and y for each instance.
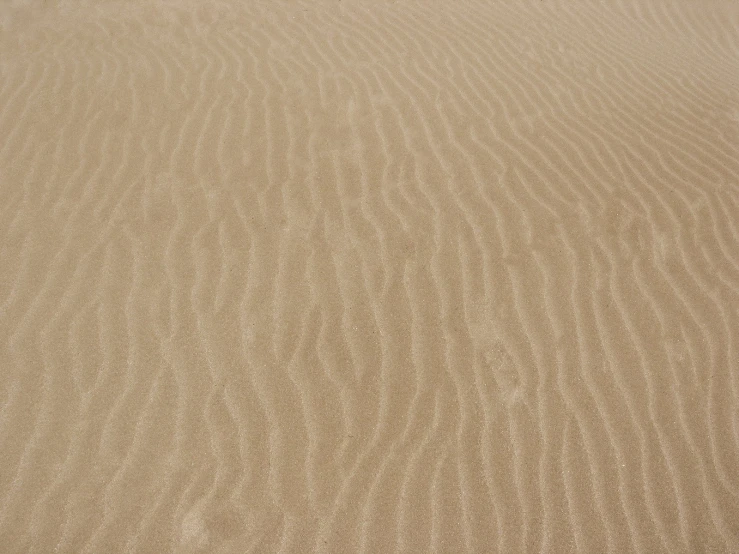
(369, 276)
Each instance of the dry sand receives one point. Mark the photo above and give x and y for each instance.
(369, 276)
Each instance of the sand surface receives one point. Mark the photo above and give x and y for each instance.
(369, 276)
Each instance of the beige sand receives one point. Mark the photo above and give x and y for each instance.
(369, 276)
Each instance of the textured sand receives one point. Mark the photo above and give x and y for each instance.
(351, 276)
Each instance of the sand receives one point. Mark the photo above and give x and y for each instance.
(348, 276)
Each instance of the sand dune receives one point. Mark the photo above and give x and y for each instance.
(349, 276)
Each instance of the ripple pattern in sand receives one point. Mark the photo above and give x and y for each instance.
(358, 276)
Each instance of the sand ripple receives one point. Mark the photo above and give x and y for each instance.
(351, 276)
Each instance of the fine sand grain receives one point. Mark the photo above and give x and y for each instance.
(369, 276)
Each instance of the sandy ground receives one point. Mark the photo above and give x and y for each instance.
(351, 276)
